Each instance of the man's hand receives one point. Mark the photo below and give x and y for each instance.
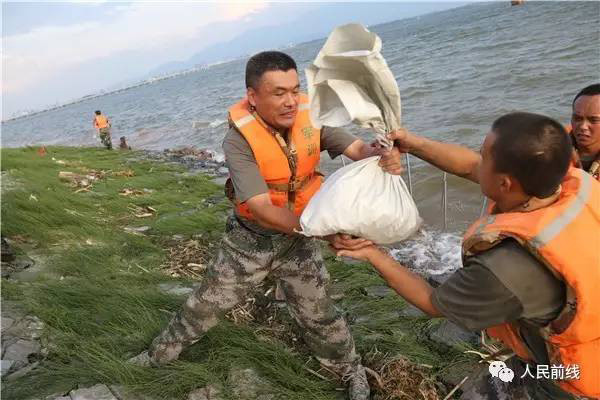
(342, 241)
(363, 254)
(401, 140)
(391, 161)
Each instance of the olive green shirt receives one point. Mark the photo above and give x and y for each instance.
(502, 284)
(243, 168)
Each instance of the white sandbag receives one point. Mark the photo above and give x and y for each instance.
(361, 199)
(350, 82)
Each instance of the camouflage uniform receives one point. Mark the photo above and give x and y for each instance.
(105, 137)
(244, 260)
(483, 386)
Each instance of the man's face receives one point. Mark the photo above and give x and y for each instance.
(276, 98)
(586, 123)
(490, 181)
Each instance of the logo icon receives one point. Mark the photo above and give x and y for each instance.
(506, 375)
(498, 369)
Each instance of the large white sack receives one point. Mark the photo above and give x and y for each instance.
(350, 82)
(361, 199)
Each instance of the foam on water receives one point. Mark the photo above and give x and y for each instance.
(430, 251)
(217, 122)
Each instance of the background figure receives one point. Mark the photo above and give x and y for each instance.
(102, 124)
(123, 144)
(585, 132)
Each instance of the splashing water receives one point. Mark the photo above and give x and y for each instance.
(430, 251)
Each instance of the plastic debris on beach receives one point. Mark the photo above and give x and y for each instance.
(188, 258)
(82, 182)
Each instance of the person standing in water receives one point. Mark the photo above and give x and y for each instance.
(102, 125)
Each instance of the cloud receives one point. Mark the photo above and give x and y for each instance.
(30, 58)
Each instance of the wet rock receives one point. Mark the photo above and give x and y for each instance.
(29, 327)
(189, 159)
(223, 171)
(6, 365)
(248, 385)
(122, 393)
(411, 311)
(8, 253)
(58, 396)
(22, 372)
(24, 263)
(19, 264)
(96, 392)
(6, 323)
(21, 351)
(176, 289)
(452, 335)
(378, 291)
(209, 392)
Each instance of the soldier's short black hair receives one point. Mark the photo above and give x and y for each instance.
(534, 149)
(98, 112)
(265, 61)
(591, 90)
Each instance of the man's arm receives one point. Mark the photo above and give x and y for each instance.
(452, 158)
(269, 216)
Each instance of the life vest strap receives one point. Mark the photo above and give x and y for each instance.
(292, 186)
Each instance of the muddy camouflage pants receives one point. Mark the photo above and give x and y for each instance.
(105, 137)
(243, 262)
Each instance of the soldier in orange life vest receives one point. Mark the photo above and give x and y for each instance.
(531, 267)
(585, 129)
(102, 125)
(273, 152)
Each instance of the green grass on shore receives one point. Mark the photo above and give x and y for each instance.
(98, 295)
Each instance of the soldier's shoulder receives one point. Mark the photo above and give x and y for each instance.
(233, 141)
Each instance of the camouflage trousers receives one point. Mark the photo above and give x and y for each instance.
(483, 386)
(105, 137)
(244, 260)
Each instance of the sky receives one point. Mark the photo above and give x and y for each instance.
(54, 52)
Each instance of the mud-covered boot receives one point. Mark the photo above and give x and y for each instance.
(358, 386)
(160, 355)
(143, 360)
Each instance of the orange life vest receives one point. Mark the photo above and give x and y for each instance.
(565, 237)
(287, 188)
(101, 121)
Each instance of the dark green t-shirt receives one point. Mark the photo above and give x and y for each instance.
(504, 283)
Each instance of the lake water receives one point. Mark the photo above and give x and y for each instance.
(457, 71)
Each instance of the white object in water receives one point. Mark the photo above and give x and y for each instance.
(362, 200)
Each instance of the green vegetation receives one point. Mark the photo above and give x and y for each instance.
(98, 294)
